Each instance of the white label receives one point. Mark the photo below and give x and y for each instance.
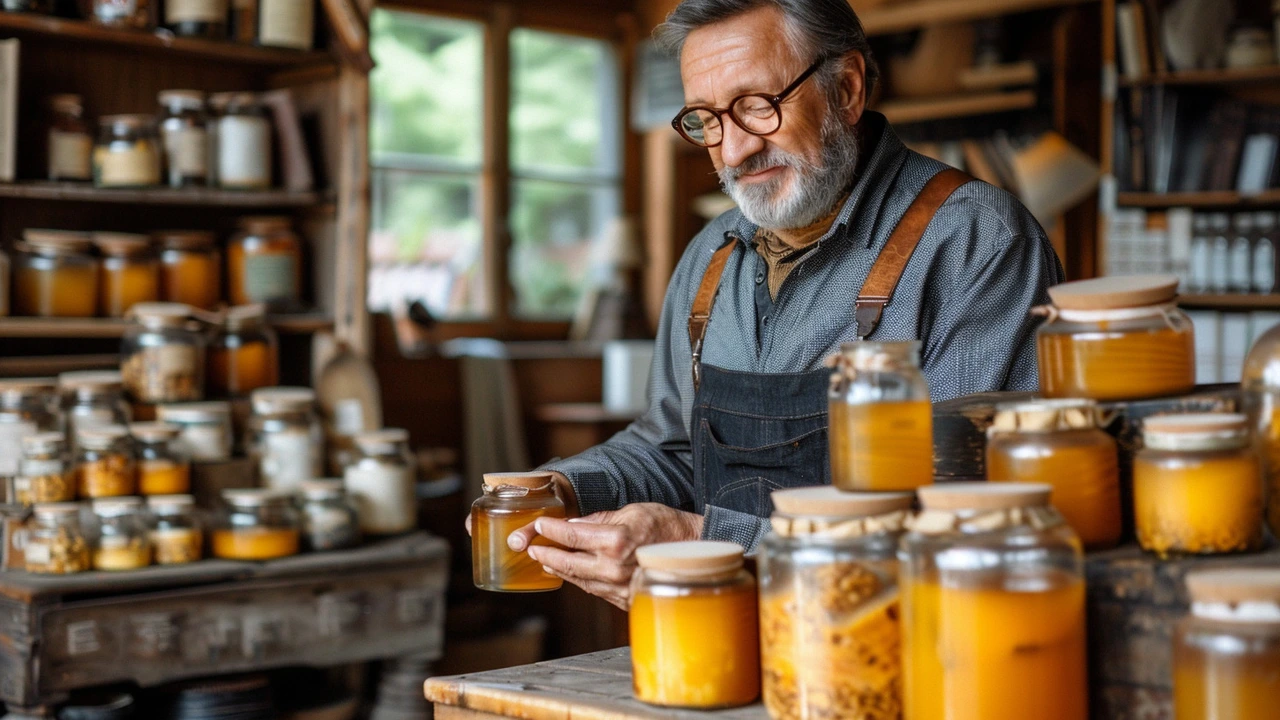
(11, 435)
(288, 458)
(206, 442)
(348, 417)
(286, 23)
(37, 552)
(244, 152)
(384, 495)
(210, 11)
(40, 468)
(138, 166)
(187, 151)
(70, 156)
(1264, 267)
(1241, 254)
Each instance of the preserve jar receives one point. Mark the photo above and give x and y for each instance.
(1059, 443)
(122, 540)
(880, 418)
(190, 268)
(383, 481)
(510, 502)
(1226, 653)
(285, 439)
(54, 275)
(204, 429)
(132, 14)
(330, 520)
(105, 464)
(197, 18)
(163, 354)
(44, 471)
(176, 535)
(56, 543)
(1197, 485)
(829, 639)
(264, 264)
(256, 524)
(1116, 338)
(70, 146)
(244, 354)
(92, 398)
(694, 630)
(163, 468)
(129, 272)
(128, 152)
(1260, 383)
(182, 128)
(993, 607)
(286, 23)
(244, 144)
(27, 407)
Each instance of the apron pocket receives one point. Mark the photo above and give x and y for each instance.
(746, 476)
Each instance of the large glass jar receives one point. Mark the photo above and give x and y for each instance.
(127, 154)
(1059, 443)
(1197, 485)
(829, 606)
(163, 467)
(197, 18)
(163, 354)
(92, 398)
(190, 268)
(256, 524)
(132, 14)
(27, 407)
(205, 433)
(105, 465)
(182, 131)
(264, 264)
(1116, 338)
(70, 146)
(880, 418)
(510, 502)
(44, 471)
(330, 520)
(56, 543)
(1226, 653)
(244, 144)
(694, 630)
(54, 275)
(382, 482)
(285, 438)
(244, 354)
(122, 541)
(130, 272)
(993, 613)
(1261, 385)
(176, 534)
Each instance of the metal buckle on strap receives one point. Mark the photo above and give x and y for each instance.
(867, 311)
(697, 363)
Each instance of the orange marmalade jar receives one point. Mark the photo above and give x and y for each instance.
(264, 264)
(694, 630)
(244, 355)
(54, 275)
(1059, 443)
(1116, 338)
(129, 272)
(510, 502)
(190, 268)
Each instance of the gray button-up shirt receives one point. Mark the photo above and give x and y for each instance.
(983, 262)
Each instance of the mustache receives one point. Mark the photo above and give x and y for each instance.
(765, 159)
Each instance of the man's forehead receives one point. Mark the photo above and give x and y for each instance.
(739, 55)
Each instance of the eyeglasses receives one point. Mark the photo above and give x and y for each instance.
(757, 113)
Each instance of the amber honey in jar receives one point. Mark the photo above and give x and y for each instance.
(829, 606)
(122, 541)
(1059, 443)
(1261, 385)
(1197, 486)
(54, 275)
(881, 421)
(256, 524)
(694, 627)
(1226, 653)
(163, 354)
(511, 501)
(1116, 338)
(190, 268)
(129, 272)
(264, 264)
(105, 465)
(244, 354)
(163, 467)
(993, 607)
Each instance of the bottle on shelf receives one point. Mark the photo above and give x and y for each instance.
(1264, 252)
(1241, 254)
(70, 146)
(1219, 254)
(182, 132)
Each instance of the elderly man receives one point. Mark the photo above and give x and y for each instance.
(832, 207)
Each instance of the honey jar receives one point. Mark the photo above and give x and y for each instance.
(256, 524)
(163, 469)
(176, 535)
(105, 465)
(511, 501)
(190, 268)
(92, 398)
(163, 354)
(44, 472)
(127, 154)
(56, 543)
(244, 354)
(1116, 338)
(54, 275)
(129, 272)
(1260, 382)
(122, 541)
(1197, 485)
(264, 264)
(27, 407)
(694, 628)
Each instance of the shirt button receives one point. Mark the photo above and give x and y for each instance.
(766, 320)
(759, 278)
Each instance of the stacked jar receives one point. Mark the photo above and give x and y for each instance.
(285, 438)
(105, 463)
(204, 429)
(44, 471)
(510, 502)
(383, 481)
(244, 353)
(256, 524)
(190, 268)
(27, 407)
(175, 531)
(54, 275)
(163, 467)
(163, 354)
(129, 272)
(122, 541)
(92, 398)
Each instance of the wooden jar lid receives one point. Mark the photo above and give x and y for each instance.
(829, 502)
(695, 558)
(1235, 585)
(1110, 293)
(532, 480)
(983, 496)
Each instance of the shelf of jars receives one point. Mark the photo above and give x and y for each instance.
(1215, 199)
(192, 197)
(23, 327)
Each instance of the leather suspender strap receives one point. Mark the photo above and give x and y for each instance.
(889, 266)
(700, 315)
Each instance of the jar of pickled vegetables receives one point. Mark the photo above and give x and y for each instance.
(383, 481)
(44, 472)
(694, 628)
(510, 502)
(122, 541)
(190, 268)
(130, 272)
(105, 465)
(127, 154)
(56, 543)
(163, 354)
(54, 275)
(92, 398)
(1197, 486)
(881, 422)
(204, 429)
(285, 438)
(330, 520)
(176, 535)
(993, 607)
(264, 264)
(27, 407)
(256, 524)
(1226, 653)
(829, 639)
(244, 355)
(1059, 443)
(1116, 338)
(163, 468)
(1260, 382)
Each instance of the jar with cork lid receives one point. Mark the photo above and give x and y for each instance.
(694, 629)
(54, 275)
(163, 354)
(91, 398)
(244, 144)
(382, 482)
(27, 407)
(44, 472)
(285, 438)
(129, 272)
(127, 154)
(70, 145)
(163, 467)
(105, 463)
(190, 268)
(264, 264)
(244, 353)
(182, 133)
(510, 502)
(56, 543)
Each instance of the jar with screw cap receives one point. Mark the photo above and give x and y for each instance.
(56, 543)
(256, 524)
(244, 353)
(44, 472)
(330, 520)
(27, 407)
(382, 482)
(510, 502)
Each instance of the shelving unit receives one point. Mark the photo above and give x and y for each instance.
(1225, 200)
(954, 106)
(20, 327)
(902, 16)
(1231, 302)
(190, 197)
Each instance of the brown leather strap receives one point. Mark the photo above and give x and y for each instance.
(700, 315)
(889, 266)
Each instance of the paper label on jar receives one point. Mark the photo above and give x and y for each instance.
(11, 435)
(205, 442)
(286, 23)
(270, 277)
(187, 151)
(288, 458)
(384, 496)
(244, 152)
(70, 156)
(137, 166)
(175, 360)
(37, 552)
(210, 11)
(40, 468)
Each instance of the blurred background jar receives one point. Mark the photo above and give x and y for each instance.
(120, 538)
(190, 268)
(182, 131)
(256, 524)
(330, 520)
(176, 534)
(70, 145)
(132, 14)
(264, 264)
(244, 144)
(44, 472)
(286, 23)
(197, 18)
(54, 275)
(27, 406)
(92, 398)
(244, 354)
(56, 542)
(127, 154)
(105, 464)
(6, 282)
(382, 482)
(285, 438)
(163, 468)
(129, 272)
(205, 429)
(42, 7)
(163, 354)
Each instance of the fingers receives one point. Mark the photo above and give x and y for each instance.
(582, 535)
(522, 538)
(618, 595)
(580, 564)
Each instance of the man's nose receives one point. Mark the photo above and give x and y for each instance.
(738, 144)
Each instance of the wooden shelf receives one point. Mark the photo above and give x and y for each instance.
(1270, 73)
(1224, 199)
(1231, 302)
(26, 327)
(191, 197)
(953, 106)
(160, 41)
(901, 16)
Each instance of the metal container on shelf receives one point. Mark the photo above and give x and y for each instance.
(163, 354)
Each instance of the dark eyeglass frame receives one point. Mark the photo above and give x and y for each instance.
(774, 100)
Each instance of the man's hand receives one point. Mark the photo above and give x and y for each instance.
(598, 552)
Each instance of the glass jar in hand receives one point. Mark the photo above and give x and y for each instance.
(510, 502)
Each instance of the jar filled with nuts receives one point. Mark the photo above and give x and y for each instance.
(163, 354)
(105, 464)
(122, 541)
(44, 474)
(56, 543)
(176, 535)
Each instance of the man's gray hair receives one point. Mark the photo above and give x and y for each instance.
(816, 28)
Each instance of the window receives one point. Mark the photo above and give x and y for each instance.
(563, 159)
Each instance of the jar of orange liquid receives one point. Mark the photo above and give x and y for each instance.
(1197, 486)
(1261, 385)
(244, 355)
(264, 264)
(256, 524)
(1226, 653)
(54, 275)
(1116, 338)
(130, 272)
(510, 502)
(1059, 443)
(881, 422)
(993, 614)
(190, 268)
(694, 629)
(829, 607)
(163, 469)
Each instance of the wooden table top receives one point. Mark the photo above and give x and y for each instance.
(596, 686)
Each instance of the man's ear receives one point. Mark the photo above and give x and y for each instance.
(852, 87)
